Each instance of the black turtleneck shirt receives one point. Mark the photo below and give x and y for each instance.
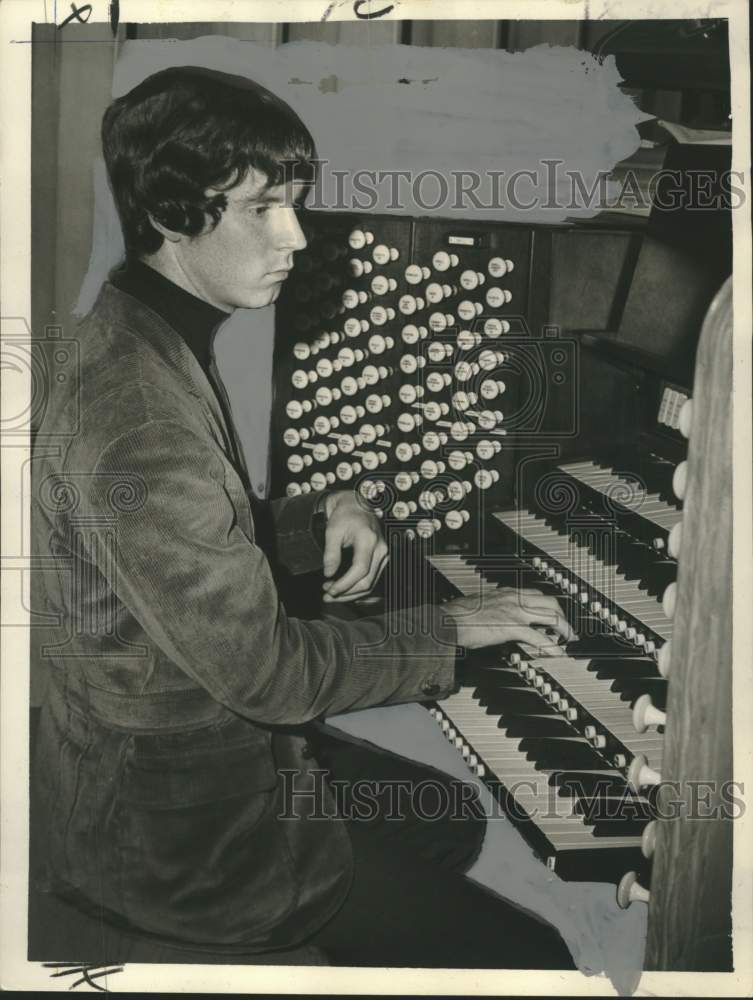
(193, 318)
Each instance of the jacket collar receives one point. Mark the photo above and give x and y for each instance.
(166, 343)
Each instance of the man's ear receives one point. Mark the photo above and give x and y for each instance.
(170, 234)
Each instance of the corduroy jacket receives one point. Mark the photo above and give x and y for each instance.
(171, 770)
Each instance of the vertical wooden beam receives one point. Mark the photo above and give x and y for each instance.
(689, 911)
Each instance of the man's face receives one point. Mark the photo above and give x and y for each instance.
(243, 261)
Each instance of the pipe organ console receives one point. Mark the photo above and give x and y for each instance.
(426, 365)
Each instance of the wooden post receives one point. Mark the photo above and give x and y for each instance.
(690, 907)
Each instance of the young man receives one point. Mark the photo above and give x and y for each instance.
(180, 689)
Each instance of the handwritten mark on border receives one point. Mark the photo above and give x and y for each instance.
(88, 973)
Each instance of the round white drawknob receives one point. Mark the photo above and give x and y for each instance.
(646, 714)
(686, 418)
(680, 480)
(675, 540)
(640, 774)
(648, 839)
(663, 658)
(669, 600)
(631, 891)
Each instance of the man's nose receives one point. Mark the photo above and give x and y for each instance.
(292, 236)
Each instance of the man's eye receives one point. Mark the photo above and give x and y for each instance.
(259, 210)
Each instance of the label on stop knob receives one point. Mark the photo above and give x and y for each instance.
(490, 389)
(488, 360)
(454, 519)
(484, 478)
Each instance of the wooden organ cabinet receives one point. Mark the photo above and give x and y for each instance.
(515, 403)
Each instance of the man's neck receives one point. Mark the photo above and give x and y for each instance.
(165, 263)
(190, 316)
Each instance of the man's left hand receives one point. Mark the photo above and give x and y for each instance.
(349, 526)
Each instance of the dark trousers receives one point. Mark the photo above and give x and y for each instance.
(409, 904)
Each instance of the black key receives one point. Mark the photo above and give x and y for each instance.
(523, 700)
(538, 726)
(658, 576)
(587, 783)
(604, 645)
(617, 669)
(550, 753)
(617, 817)
(655, 687)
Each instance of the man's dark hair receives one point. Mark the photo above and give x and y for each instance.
(187, 129)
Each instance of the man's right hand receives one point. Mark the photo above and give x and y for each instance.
(510, 615)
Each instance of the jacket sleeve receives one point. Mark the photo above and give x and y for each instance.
(296, 543)
(204, 593)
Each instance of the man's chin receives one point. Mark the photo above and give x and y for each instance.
(262, 298)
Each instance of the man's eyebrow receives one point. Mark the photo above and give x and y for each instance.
(266, 197)
(262, 196)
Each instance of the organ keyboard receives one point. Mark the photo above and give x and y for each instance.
(430, 373)
(581, 708)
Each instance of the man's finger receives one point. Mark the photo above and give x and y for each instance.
(384, 557)
(332, 552)
(373, 575)
(358, 570)
(536, 643)
(542, 610)
(365, 586)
